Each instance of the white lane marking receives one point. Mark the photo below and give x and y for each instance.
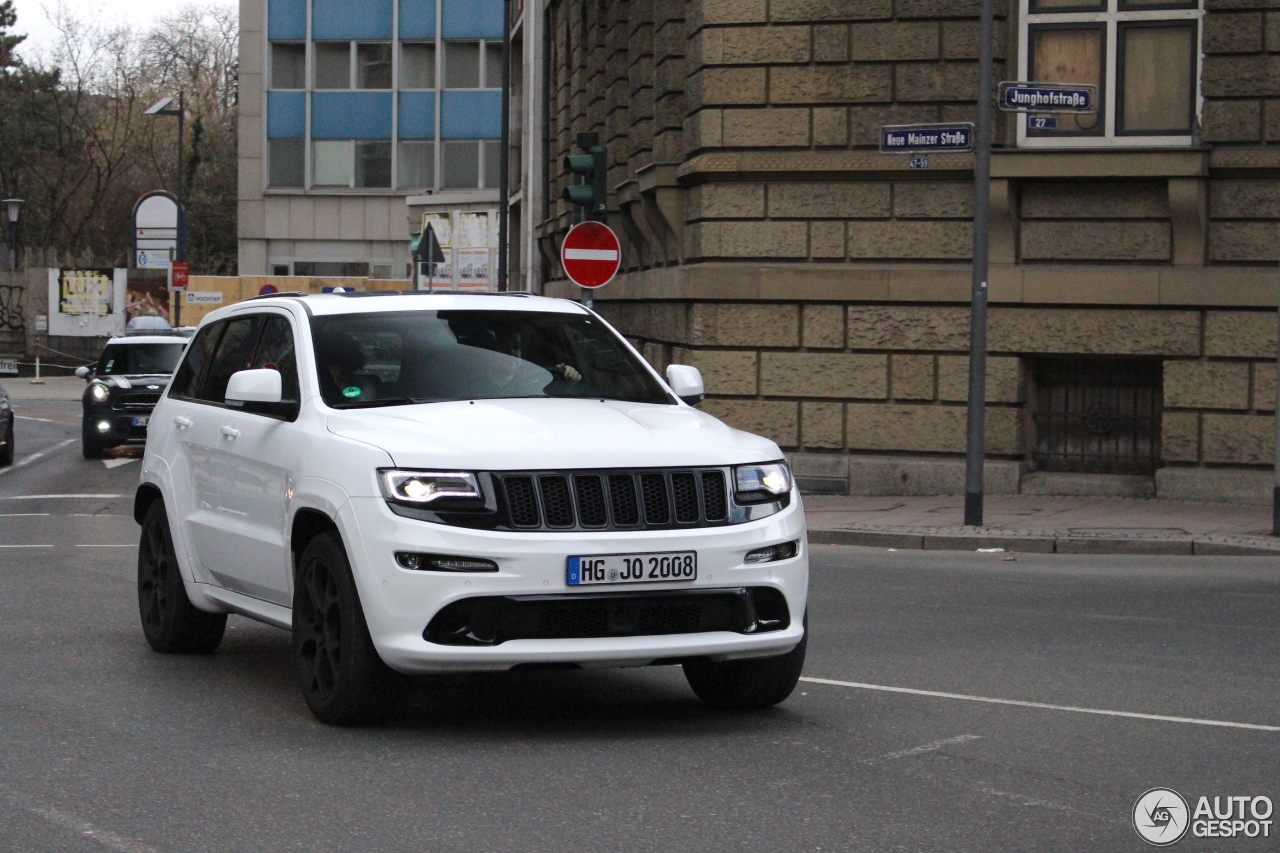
(41, 420)
(930, 747)
(51, 497)
(107, 839)
(36, 457)
(116, 463)
(1044, 705)
(21, 514)
(26, 546)
(590, 255)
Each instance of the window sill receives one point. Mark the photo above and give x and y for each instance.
(1107, 162)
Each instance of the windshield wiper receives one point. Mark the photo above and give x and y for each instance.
(389, 401)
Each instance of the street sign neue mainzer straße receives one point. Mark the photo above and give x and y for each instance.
(926, 138)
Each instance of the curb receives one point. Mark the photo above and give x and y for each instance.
(1048, 544)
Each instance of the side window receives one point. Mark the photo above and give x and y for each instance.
(275, 351)
(235, 353)
(198, 355)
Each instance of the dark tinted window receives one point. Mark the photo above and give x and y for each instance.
(433, 356)
(235, 353)
(118, 359)
(198, 355)
(275, 351)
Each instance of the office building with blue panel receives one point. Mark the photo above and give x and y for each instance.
(348, 108)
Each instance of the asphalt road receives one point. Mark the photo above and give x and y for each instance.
(105, 746)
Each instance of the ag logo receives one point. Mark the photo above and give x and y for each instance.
(1161, 817)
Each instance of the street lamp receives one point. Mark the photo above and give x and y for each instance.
(14, 207)
(163, 107)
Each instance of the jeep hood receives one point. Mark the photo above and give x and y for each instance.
(541, 433)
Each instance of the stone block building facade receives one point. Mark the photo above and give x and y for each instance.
(822, 288)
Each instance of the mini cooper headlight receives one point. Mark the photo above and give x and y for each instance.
(425, 488)
(755, 483)
(99, 392)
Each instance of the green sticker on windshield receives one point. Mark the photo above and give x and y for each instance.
(351, 391)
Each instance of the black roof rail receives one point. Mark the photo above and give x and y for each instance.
(274, 295)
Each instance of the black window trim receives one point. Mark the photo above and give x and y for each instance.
(257, 342)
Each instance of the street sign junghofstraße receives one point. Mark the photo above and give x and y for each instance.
(1047, 98)
(926, 138)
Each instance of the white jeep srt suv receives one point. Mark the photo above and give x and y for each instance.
(418, 482)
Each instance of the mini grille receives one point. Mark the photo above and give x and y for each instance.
(590, 492)
(521, 502)
(685, 489)
(556, 504)
(713, 496)
(653, 487)
(622, 495)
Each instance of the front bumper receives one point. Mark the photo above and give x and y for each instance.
(399, 603)
(123, 429)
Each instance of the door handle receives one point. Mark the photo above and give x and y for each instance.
(230, 432)
(182, 422)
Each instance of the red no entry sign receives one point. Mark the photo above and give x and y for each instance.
(591, 254)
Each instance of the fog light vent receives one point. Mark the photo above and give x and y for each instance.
(442, 563)
(782, 551)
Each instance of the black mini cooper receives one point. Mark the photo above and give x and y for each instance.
(124, 386)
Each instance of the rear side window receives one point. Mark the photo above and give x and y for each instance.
(275, 351)
(235, 353)
(198, 356)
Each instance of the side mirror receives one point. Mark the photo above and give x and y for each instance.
(84, 372)
(259, 392)
(686, 381)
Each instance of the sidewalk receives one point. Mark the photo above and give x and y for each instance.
(1031, 523)
(51, 388)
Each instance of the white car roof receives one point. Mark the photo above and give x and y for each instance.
(177, 340)
(363, 302)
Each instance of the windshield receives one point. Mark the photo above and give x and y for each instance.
(432, 356)
(119, 359)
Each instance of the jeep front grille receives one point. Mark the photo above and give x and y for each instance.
(616, 500)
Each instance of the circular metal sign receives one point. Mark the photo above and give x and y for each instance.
(591, 254)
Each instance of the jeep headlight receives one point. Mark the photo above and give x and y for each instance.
(99, 392)
(428, 488)
(756, 483)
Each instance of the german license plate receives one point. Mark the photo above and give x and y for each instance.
(143, 420)
(633, 568)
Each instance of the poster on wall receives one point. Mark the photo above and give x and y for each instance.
(85, 292)
(473, 269)
(146, 294)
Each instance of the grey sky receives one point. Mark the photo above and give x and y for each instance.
(33, 20)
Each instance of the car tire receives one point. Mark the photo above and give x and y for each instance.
(6, 452)
(89, 444)
(171, 623)
(747, 684)
(343, 679)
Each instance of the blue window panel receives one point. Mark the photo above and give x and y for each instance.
(417, 19)
(351, 115)
(344, 19)
(286, 19)
(286, 115)
(417, 118)
(472, 19)
(467, 114)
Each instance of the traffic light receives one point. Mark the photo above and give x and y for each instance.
(588, 196)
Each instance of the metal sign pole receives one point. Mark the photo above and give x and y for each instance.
(977, 426)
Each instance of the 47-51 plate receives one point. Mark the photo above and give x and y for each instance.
(633, 568)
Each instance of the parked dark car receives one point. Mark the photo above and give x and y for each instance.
(124, 386)
(6, 410)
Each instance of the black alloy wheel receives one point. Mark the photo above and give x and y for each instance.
(748, 684)
(89, 444)
(170, 622)
(343, 679)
